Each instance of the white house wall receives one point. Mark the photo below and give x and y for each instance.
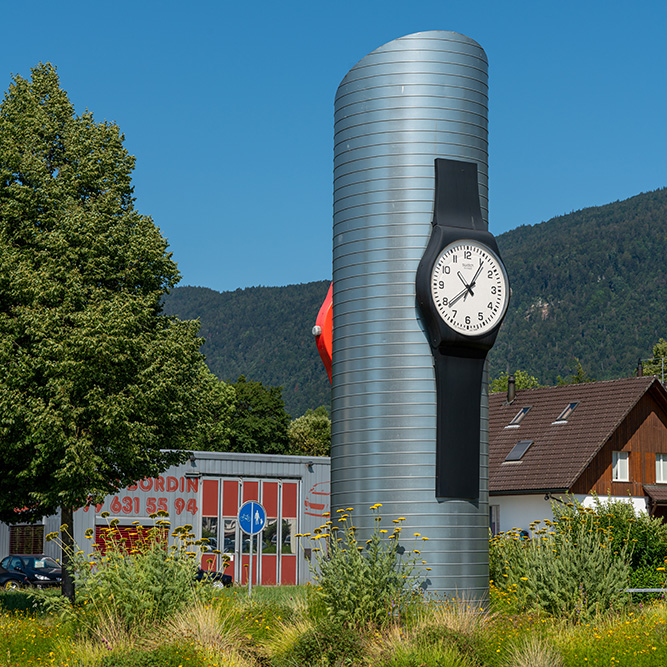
(519, 511)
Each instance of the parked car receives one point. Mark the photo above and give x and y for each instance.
(13, 581)
(41, 571)
(218, 579)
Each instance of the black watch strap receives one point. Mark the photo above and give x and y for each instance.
(458, 377)
(458, 382)
(456, 195)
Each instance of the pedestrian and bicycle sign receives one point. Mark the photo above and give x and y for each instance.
(252, 517)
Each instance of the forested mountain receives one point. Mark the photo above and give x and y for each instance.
(264, 333)
(590, 285)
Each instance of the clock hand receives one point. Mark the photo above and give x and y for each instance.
(468, 287)
(463, 293)
(474, 280)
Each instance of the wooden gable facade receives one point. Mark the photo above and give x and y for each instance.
(576, 454)
(642, 434)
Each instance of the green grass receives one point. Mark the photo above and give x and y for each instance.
(274, 629)
(27, 639)
(637, 639)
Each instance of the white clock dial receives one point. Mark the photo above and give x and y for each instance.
(469, 287)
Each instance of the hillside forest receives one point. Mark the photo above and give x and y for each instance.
(587, 298)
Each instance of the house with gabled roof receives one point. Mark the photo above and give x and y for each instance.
(605, 439)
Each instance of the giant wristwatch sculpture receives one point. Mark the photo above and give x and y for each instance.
(462, 293)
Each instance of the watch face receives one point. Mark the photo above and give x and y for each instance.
(469, 287)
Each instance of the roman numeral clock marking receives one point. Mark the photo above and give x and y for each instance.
(469, 287)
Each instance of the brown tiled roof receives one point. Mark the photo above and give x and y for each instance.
(656, 492)
(560, 452)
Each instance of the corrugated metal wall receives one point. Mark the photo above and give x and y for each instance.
(194, 490)
(412, 100)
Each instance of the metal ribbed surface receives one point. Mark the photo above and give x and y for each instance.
(415, 99)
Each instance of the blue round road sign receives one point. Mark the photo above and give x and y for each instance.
(252, 517)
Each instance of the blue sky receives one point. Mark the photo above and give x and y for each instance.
(228, 108)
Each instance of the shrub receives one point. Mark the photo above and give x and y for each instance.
(326, 643)
(141, 583)
(127, 586)
(16, 601)
(373, 582)
(648, 576)
(575, 571)
(171, 655)
(645, 536)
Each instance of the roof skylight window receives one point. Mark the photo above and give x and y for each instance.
(566, 414)
(519, 450)
(518, 417)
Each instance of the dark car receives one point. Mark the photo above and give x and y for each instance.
(218, 579)
(12, 581)
(41, 571)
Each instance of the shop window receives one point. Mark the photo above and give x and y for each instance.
(210, 497)
(250, 491)
(270, 498)
(270, 537)
(290, 492)
(28, 540)
(209, 530)
(229, 545)
(246, 543)
(230, 497)
(289, 541)
(129, 536)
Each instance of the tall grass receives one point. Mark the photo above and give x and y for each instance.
(225, 631)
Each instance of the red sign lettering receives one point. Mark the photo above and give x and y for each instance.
(134, 505)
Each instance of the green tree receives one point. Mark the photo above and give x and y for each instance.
(98, 388)
(521, 378)
(656, 366)
(259, 423)
(578, 375)
(310, 434)
(212, 433)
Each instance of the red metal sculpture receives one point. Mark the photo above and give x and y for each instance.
(323, 330)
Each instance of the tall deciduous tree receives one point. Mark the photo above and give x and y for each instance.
(310, 434)
(658, 365)
(96, 383)
(259, 423)
(578, 375)
(522, 380)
